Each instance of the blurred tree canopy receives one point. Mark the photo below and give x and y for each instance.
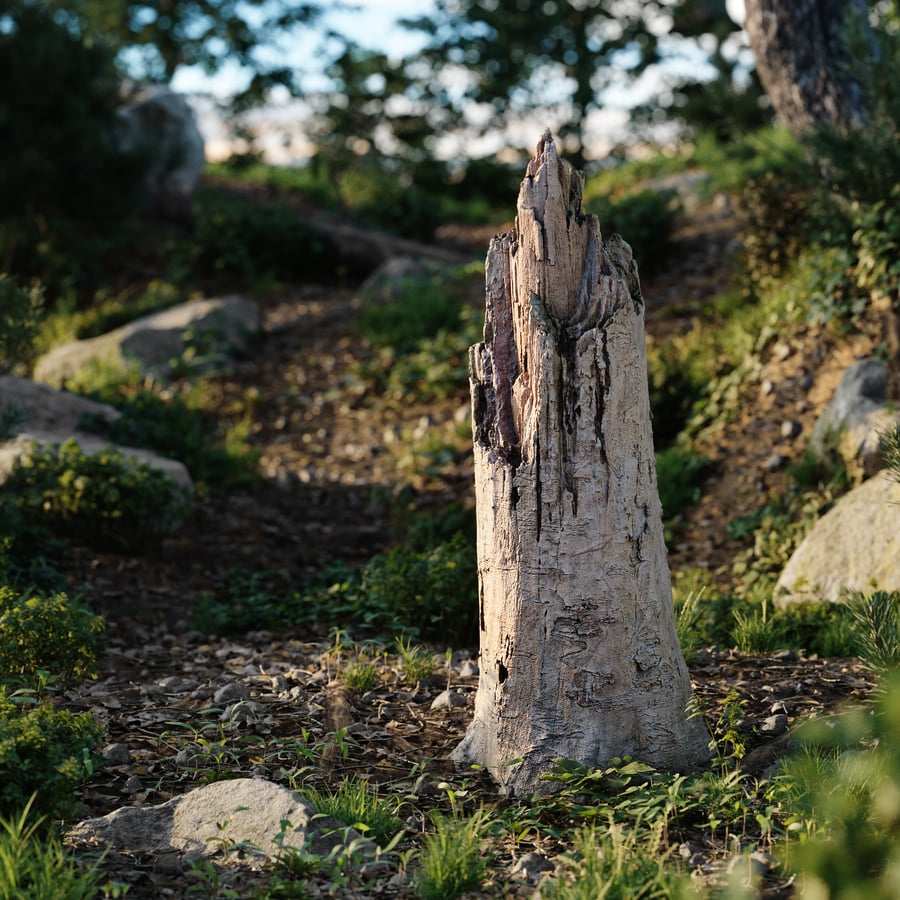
(152, 39)
(562, 58)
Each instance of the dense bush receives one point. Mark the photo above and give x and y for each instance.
(21, 310)
(237, 239)
(54, 633)
(103, 500)
(645, 219)
(65, 188)
(43, 751)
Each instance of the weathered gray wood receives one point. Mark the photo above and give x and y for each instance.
(579, 656)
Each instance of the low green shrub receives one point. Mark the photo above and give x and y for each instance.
(169, 424)
(44, 752)
(103, 499)
(429, 594)
(235, 239)
(679, 471)
(250, 601)
(22, 310)
(645, 219)
(50, 633)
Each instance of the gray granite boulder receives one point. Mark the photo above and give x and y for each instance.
(855, 418)
(223, 326)
(41, 414)
(854, 546)
(159, 124)
(261, 816)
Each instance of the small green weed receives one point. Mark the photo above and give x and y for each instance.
(360, 675)
(418, 661)
(876, 621)
(452, 860)
(360, 805)
(756, 632)
(34, 865)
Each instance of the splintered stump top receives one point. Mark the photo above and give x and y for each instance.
(579, 656)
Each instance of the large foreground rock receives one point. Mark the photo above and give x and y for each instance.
(45, 415)
(856, 417)
(225, 325)
(198, 824)
(856, 546)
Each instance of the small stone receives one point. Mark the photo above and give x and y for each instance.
(790, 429)
(237, 690)
(243, 711)
(530, 867)
(702, 656)
(775, 725)
(183, 758)
(447, 700)
(781, 351)
(468, 669)
(785, 655)
(176, 684)
(776, 461)
(766, 388)
(755, 865)
(133, 785)
(778, 708)
(116, 754)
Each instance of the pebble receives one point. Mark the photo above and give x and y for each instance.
(133, 785)
(529, 867)
(790, 429)
(447, 700)
(237, 690)
(775, 725)
(776, 461)
(468, 669)
(176, 684)
(116, 754)
(243, 711)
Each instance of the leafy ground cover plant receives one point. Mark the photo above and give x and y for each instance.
(103, 499)
(53, 634)
(44, 754)
(235, 239)
(182, 426)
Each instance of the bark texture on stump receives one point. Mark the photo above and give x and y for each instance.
(579, 655)
(802, 61)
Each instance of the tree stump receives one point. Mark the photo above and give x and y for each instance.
(579, 655)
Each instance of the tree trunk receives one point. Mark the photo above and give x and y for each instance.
(579, 656)
(801, 60)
